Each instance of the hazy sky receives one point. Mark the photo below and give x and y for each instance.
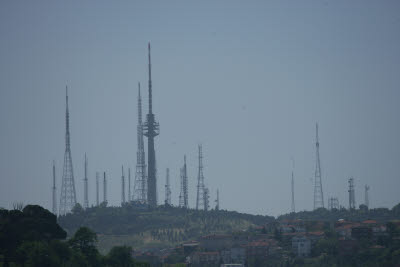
(247, 79)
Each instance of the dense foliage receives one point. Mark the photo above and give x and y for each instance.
(32, 237)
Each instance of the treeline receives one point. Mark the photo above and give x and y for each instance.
(32, 237)
(361, 214)
(163, 223)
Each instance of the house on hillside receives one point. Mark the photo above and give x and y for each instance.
(301, 246)
(209, 259)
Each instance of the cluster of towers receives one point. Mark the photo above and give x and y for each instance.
(145, 182)
(333, 202)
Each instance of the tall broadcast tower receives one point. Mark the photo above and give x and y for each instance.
(318, 194)
(167, 189)
(68, 194)
(151, 128)
(54, 208)
(85, 183)
(200, 182)
(140, 183)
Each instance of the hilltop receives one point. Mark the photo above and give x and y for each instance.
(164, 226)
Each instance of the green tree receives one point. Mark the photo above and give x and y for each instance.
(120, 256)
(84, 242)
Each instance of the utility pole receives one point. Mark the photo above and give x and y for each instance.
(85, 182)
(167, 190)
(123, 186)
(68, 193)
(151, 128)
(318, 194)
(54, 207)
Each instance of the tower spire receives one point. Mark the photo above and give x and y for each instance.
(68, 194)
(151, 128)
(318, 194)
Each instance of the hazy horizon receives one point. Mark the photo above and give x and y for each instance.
(247, 80)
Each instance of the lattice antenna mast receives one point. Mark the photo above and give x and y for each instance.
(68, 193)
(293, 204)
(151, 128)
(140, 185)
(167, 189)
(217, 201)
(123, 186)
(85, 185)
(367, 196)
(318, 194)
(183, 197)
(206, 199)
(97, 188)
(200, 182)
(104, 188)
(352, 199)
(129, 185)
(54, 190)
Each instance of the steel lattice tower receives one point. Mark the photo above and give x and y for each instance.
(97, 188)
(129, 185)
(206, 199)
(68, 193)
(54, 207)
(104, 188)
(140, 184)
(151, 128)
(183, 197)
(318, 194)
(167, 189)
(200, 182)
(366, 196)
(86, 190)
(293, 204)
(217, 201)
(123, 186)
(352, 198)
(333, 203)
